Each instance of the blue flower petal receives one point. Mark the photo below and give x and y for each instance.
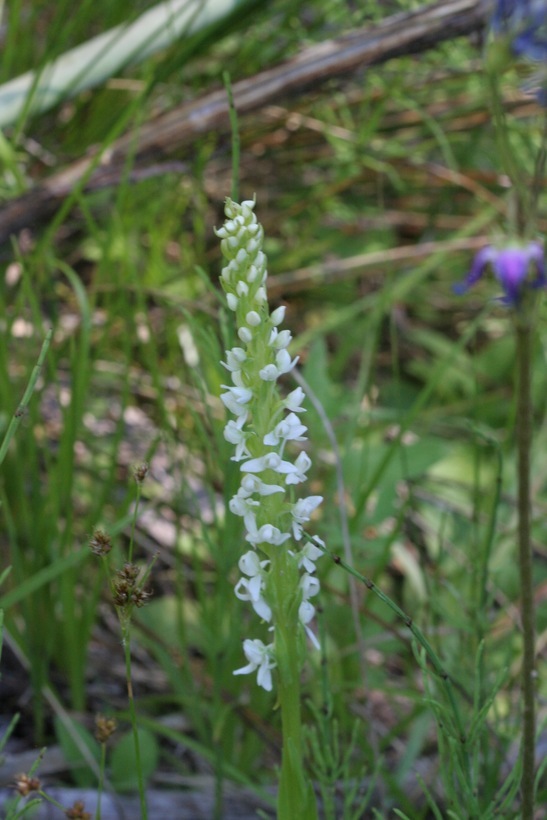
(524, 23)
(515, 267)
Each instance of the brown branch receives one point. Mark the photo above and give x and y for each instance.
(401, 34)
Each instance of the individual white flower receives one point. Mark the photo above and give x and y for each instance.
(294, 400)
(271, 461)
(277, 316)
(267, 534)
(234, 359)
(301, 513)
(309, 586)
(252, 274)
(253, 318)
(261, 297)
(269, 373)
(251, 589)
(246, 507)
(242, 289)
(251, 565)
(243, 592)
(252, 484)
(232, 301)
(279, 339)
(253, 245)
(289, 429)
(234, 433)
(247, 207)
(302, 465)
(308, 555)
(236, 398)
(260, 658)
(241, 257)
(283, 364)
(245, 334)
(261, 261)
(228, 247)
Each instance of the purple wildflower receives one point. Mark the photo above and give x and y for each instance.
(524, 24)
(513, 268)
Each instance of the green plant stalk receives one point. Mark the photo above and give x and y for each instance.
(126, 640)
(235, 135)
(20, 412)
(134, 523)
(296, 797)
(509, 157)
(100, 785)
(523, 330)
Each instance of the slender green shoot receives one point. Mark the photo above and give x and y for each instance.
(235, 135)
(22, 407)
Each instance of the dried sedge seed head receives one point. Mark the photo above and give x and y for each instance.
(140, 597)
(25, 784)
(122, 593)
(140, 472)
(127, 591)
(100, 543)
(128, 572)
(104, 728)
(77, 812)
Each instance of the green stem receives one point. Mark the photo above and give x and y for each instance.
(524, 438)
(133, 714)
(296, 798)
(235, 135)
(509, 157)
(100, 785)
(20, 412)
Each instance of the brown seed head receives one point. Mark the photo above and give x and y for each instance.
(77, 812)
(128, 572)
(140, 597)
(141, 472)
(25, 784)
(104, 728)
(100, 543)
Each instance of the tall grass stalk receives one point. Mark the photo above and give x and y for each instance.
(524, 328)
(22, 407)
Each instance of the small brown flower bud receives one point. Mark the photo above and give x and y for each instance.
(141, 472)
(128, 572)
(25, 784)
(77, 812)
(100, 543)
(139, 597)
(104, 728)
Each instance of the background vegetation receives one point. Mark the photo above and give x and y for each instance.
(374, 190)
